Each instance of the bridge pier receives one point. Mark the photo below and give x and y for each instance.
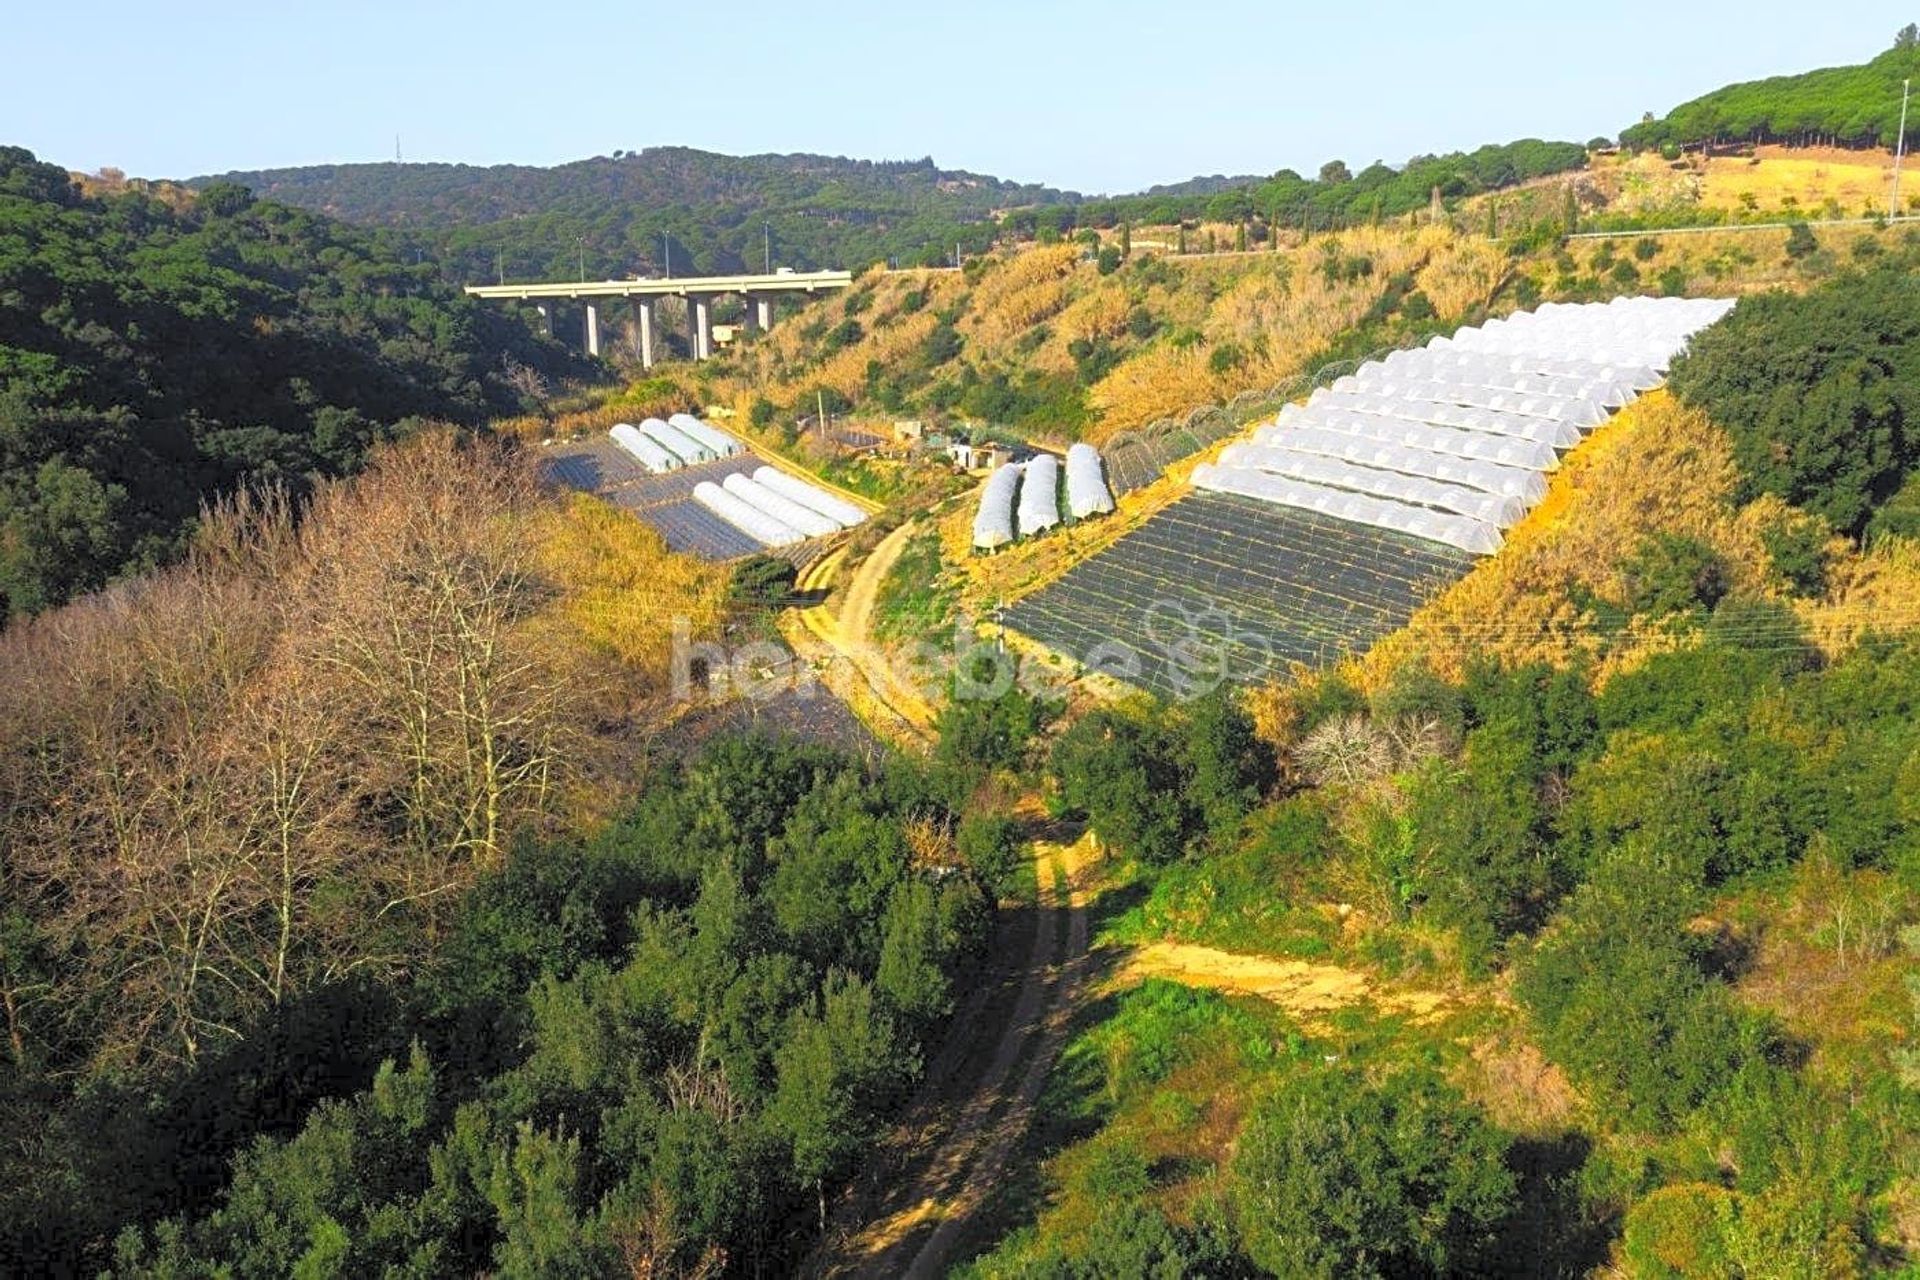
(592, 325)
(700, 325)
(643, 331)
(760, 311)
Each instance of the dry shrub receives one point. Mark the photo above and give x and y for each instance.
(1019, 293)
(620, 587)
(1462, 274)
(845, 371)
(1656, 468)
(1101, 312)
(1878, 590)
(1161, 382)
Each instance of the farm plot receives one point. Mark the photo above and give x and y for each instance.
(1224, 586)
(665, 501)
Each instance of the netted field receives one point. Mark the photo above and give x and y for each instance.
(1220, 586)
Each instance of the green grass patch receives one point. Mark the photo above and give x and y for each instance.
(915, 600)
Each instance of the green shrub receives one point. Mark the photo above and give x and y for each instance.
(1333, 1176)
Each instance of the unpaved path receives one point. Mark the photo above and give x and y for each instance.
(1299, 986)
(857, 669)
(916, 1224)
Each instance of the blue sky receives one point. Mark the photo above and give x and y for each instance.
(1110, 97)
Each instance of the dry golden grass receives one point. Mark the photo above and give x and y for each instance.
(1807, 181)
(1657, 467)
(620, 587)
(845, 371)
(1019, 292)
(1875, 591)
(1161, 382)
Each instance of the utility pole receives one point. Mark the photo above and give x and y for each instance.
(1899, 149)
(666, 253)
(820, 408)
(500, 265)
(768, 228)
(583, 259)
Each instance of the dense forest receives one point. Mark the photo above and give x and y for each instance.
(660, 210)
(154, 358)
(694, 212)
(1854, 106)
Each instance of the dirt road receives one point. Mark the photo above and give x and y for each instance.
(858, 669)
(971, 1122)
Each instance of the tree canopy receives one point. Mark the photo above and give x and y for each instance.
(154, 357)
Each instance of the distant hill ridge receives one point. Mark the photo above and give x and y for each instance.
(1852, 106)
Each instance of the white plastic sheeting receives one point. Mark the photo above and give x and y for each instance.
(832, 506)
(646, 450)
(1460, 442)
(1086, 489)
(1451, 441)
(1492, 477)
(722, 444)
(1495, 509)
(785, 510)
(750, 520)
(682, 445)
(1638, 331)
(1441, 413)
(1455, 530)
(993, 522)
(1039, 495)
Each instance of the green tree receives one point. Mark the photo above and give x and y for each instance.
(1333, 1176)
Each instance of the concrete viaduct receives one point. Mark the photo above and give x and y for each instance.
(757, 291)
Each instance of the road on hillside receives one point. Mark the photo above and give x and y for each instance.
(911, 1216)
(845, 640)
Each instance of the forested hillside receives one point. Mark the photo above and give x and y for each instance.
(154, 357)
(712, 213)
(1854, 106)
(629, 213)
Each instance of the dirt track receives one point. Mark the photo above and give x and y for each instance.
(969, 1124)
(857, 669)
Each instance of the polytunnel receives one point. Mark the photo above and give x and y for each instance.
(1498, 510)
(1086, 489)
(788, 512)
(1507, 450)
(1040, 495)
(750, 520)
(644, 449)
(722, 444)
(993, 522)
(832, 506)
(1455, 530)
(1513, 482)
(684, 446)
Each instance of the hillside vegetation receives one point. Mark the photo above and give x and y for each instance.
(1856, 105)
(1064, 341)
(155, 358)
(676, 210)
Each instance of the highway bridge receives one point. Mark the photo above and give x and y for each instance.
(757, 291)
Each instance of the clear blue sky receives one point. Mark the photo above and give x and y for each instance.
(1094, 97)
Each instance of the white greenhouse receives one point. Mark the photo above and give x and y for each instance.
(682, 445)
(1455, 530)
(1040, 495)
(1087, 493)
(750, 520)
(1452, 441)
(722, 444)
(643, 449)
(784, 509)
(830, 505)
(1496, 509)
(993, 523)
